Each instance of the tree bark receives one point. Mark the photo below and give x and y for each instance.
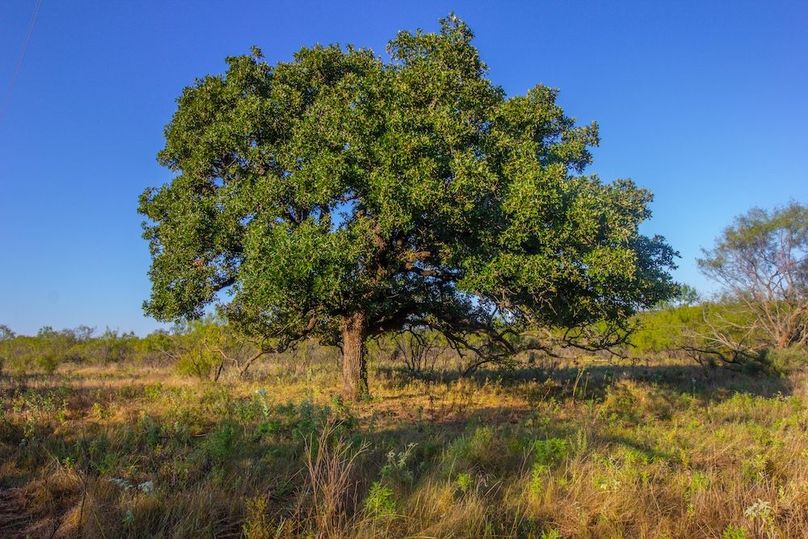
(354, 369)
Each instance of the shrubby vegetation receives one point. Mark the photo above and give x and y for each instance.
(760, 317)
(49, 348)
(758, 320)
(201, 348)
(208, 349)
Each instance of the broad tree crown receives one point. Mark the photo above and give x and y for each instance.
(343, 190)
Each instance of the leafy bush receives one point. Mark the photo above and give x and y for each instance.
(538, 474)
(197, 349)
(662, 330)
(222, 443)
(198, 363)
(380, 501)
(256, 525)
(788, 359)
(733, 532)
(464, 481)
(620, 404)
(476, 450)
(550, 451)
(44, 351)
(710, 332)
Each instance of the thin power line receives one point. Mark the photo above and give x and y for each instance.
(20, 58)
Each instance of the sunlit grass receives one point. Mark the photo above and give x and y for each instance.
(585, 450)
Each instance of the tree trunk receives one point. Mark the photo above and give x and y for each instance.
(354, 370)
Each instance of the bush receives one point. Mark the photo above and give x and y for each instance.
(733, 532)
(550, 451)
(538, 473)
(397, 468)
(787, 359)
(222, 443)
(477, 450)
(197, 363)
(380, 501)
(464, 481)
(620, 404)
(711, 333)
(662, 330)
(256, 524)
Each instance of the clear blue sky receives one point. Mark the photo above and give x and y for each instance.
(705, 103)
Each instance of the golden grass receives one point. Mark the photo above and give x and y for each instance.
(586, 449)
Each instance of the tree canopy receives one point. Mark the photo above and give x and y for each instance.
(342, 195)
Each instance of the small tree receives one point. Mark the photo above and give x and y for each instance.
(6, 333)
(762, 262)
(342, 196)
(206, 346)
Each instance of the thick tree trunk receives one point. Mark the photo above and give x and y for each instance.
(354, 370)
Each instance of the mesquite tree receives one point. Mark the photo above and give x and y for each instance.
(342, 195)
(762, 262)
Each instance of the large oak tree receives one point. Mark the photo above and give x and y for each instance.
(342, 195)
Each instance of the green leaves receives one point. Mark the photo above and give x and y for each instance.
(413, 191)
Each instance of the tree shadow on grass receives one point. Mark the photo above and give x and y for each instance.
(588, 381)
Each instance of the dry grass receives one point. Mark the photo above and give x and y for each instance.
(586, 449)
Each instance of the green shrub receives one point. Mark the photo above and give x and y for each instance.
(256, 523)
(550, 451)
(787, 359)
(222, 443)
(464, 482)
(198, 363)
(690, 330)
(733, 532)
(150, 430)
(481, 449)
(620, 404)
(48, 361)
(380, 501)
(480, 441)
(661, 330)
(538, 474)
(698, 482)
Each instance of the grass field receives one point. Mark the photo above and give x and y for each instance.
(582, 449)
